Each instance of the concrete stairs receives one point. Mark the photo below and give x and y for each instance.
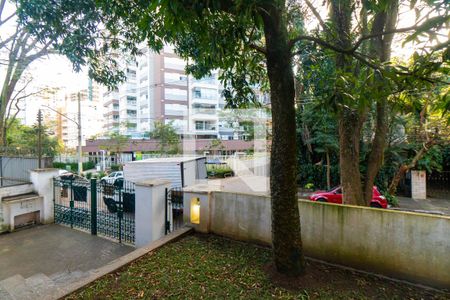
(38, 286)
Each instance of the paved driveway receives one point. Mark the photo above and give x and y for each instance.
(35, 261)
(430, 205)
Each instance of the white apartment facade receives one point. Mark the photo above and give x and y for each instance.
(158, 89)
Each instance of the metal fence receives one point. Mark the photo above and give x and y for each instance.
(438, 185)
(99, 208)
(16, 169)
(174, 209)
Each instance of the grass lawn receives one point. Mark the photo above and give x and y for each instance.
(211, 267)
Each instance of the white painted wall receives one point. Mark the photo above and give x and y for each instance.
(418, 184)
(150, 208)
(405, 245)
(8, 192)
(42, 180)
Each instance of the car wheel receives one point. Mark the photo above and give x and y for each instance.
(103, 181)
(374, 204)
(321, 200)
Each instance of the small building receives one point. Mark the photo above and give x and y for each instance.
(181, 171)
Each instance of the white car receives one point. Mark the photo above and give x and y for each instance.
(111, 178)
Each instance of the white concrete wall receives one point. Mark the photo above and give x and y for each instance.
(150, 207)
(8, 192)
(42, 180)
(403, 245)
(418, 184)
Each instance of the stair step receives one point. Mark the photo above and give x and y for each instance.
(4, 295)
(16, 288)
(41, 286)
(62, 279)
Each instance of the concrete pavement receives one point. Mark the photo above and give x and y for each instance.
(41, 260)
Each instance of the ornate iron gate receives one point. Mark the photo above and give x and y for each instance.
(97, 207)
(174, 209)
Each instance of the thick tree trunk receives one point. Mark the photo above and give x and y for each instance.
(376, 155)
(349, 137)
(286, 238)
(381, 46)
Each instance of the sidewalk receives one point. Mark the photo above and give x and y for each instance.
(431, 205)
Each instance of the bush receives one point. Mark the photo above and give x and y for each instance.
(116, 167)
(219, 171)
(89, 175)
(74, 166)
(317, 176)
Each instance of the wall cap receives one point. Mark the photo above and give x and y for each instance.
(44, 170)
(153, 182)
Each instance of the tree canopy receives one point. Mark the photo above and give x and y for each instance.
(253, 43)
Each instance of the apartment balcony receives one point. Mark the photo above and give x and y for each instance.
(204, 111)
(112, 101)
(173, 112)
(111, 113)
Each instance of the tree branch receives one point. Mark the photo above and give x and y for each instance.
(319, 18)
(258, 48)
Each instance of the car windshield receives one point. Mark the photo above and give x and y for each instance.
(333, 188)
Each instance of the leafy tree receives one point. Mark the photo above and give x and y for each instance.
(18, 50)
(116, 143)
(249, 41)
(167, 136)
(24, 139)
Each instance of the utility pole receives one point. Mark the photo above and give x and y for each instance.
(39, 119)
(80, 163)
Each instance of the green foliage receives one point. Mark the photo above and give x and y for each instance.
(88, 175)
(167, 136)
(25, 138)
(74, 166)
(317, 175)
(392, 199)
(218, 171)
(309, 186)
(212, 267)
(116, 167)
(101, 174)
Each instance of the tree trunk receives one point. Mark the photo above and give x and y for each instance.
(406, 167)
(349, 137)
(376, 155)
(381, 46)
(286, 238)
(328, 171)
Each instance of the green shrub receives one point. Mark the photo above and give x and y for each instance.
(309, 186)
(218, 171)
(89, 175)
(116, 167)
(74, 166)
(317, 175)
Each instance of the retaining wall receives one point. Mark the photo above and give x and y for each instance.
(404, 245)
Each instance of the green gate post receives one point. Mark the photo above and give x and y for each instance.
(94, 206)
(120, 214)
(71, 203)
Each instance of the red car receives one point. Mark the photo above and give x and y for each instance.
(335, 196)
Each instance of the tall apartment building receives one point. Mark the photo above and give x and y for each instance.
(91, 110)
(168, 95)
(157, 89)
(120, 105)
(45, 100)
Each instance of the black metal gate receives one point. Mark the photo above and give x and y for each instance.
(174, 209)
(99, 208)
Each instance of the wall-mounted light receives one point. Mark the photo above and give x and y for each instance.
(195, 210)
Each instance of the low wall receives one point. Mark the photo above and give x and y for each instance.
(404, 245)
(8, 192)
